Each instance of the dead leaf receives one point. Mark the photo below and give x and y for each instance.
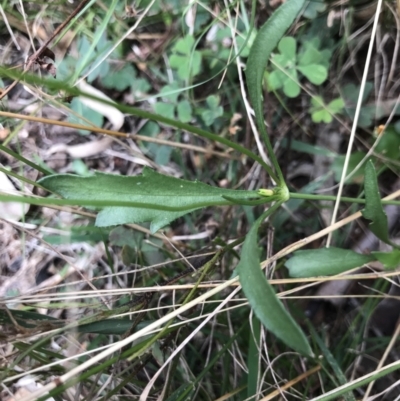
(233, 128)
(80, 151)
(4, 132)
(48, 53)
(44, 64)
(275, 3)
(11, 210)
(112, 113)
(130, 12)
(51, 68)
(26, 386)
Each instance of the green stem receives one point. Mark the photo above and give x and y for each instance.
(271, 210)
(333, 198)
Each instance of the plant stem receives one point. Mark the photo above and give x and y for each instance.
(333, 198)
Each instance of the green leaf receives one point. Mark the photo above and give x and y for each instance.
(325, 262)
(120, 79)
(187, 66)
(240, 41)
(326, 55)
(309, 55)
(287, 47)
(186, 61)
(163, 155)
(266, 40)
(315, 73)
(300, 146)
(321, 116)
(121, 236)
(106, 326)
(331, 360)
(139, 87)
(151, 196)
(28, 319)
(184, 111)
(184, 45)
(100, 71)
(165, 109)
(183, 393)
(86, 112)
(336, 105)
(390, 260)
(253, 358)
(170, 93)
(355, 160)
(373, 206)
(276, 79)
(351, 91)
(282, 61)
(323, 113)
(262, 298)
(389, 143)
(313, 8)
(350, 94)
(214, 110)
(212, 101)
(290, 87)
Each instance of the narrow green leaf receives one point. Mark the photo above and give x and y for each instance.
(28, 319)
(330, 359)
(253, 358)
(266, 40)
(373, 207)
(262, 298)
(183, 393)
(154, 197)
(106, 326)
(390, 260)
(325, 262)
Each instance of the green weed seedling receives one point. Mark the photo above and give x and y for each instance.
(321, 112)
(172, 104)
(310, 62)
(212, 111)
(185, 60)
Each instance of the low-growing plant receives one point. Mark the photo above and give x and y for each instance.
(311, 62)
(159, 199)
(321, 112)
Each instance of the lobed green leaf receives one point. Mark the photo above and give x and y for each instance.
(315, 73)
